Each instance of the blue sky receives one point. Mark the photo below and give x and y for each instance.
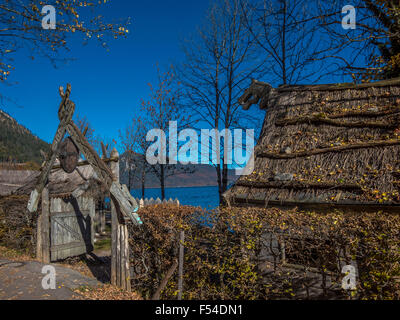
(106, 86)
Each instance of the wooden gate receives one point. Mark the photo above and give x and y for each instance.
(71, 227)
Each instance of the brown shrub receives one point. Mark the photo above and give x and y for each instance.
(17, 225)
(238, 253)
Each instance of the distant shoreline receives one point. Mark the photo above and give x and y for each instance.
(185, 187)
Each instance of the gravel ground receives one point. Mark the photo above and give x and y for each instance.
(22, 280)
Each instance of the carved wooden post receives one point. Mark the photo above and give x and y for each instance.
(120, 270)
(43, 236)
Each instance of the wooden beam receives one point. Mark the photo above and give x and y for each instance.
(45, 227)
(101, 169)
(127, 205)
(355, 146)
(317, 120)
(66, 111)
(244, 201)
(86, 163)
(297, 185)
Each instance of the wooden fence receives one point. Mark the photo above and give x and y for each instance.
(152, 202)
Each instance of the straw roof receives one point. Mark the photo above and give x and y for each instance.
(63, 185)
(325, 145)
(11, 180)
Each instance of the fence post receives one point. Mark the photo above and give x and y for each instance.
(43, 245)
(102, 218)
(181, 261)
(120, 271)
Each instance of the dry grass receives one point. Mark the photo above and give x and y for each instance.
(106, 292)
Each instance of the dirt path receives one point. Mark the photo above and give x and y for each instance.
(22, 280)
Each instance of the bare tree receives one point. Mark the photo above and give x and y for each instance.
(87, 129)
(220, 62)
(103, 145)
(133, 140)
(290, 37)
(163, 107)
(21, 27)
(371, 50)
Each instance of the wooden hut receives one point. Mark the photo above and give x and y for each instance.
(325, 146)
(67, 227)
(81, 182)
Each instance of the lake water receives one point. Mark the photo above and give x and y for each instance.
(205, 197)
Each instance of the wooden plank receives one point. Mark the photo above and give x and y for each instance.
(120, 270)
(127, 260)
(71, 213)
(67, 237)
(115, 280)
(114, 240)
(126, 202)
(68, 246)
(118, 254)
(39, 249)
(92, 210)
(45, 225)
(122, 259)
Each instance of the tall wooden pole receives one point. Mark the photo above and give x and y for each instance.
(45, 227)
(181, 261)
(120, 270)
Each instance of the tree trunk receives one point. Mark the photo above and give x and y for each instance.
(224, 180)
(220, 191)
(143, 181)
(129, 179)
(162, 181)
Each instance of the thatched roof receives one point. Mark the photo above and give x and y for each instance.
(63, 185)
(325, 145)
(11, 180)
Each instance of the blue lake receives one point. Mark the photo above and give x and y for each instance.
(205, 197)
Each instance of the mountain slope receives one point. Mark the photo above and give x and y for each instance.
(17, 143)
(203, 176)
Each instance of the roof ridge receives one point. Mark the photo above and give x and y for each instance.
(339, 86)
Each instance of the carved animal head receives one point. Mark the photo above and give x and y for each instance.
(256, 92)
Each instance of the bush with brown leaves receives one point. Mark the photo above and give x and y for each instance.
(250, 253)
(17, 225)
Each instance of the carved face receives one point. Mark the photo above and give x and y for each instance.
(69, 155)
